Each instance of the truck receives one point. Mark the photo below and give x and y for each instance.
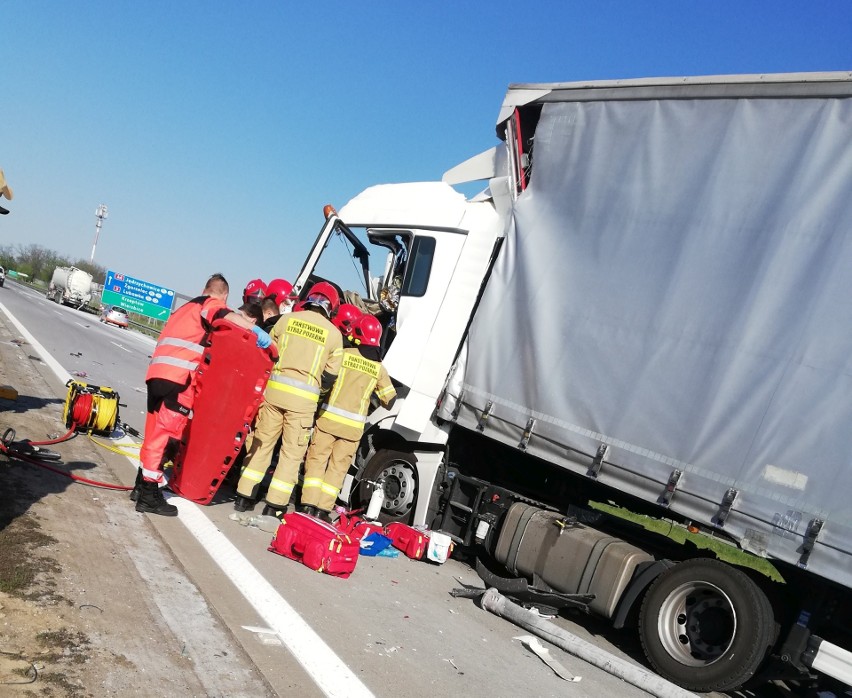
(70, 286)
(641, 315)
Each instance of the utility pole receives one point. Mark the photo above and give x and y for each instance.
(100, 214)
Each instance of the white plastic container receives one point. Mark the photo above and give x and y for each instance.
(374, 508)
(440, 547)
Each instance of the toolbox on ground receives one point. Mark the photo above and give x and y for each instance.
(316, 544)
(230, 383)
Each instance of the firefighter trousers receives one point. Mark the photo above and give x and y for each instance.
(294, 428)
(326, 464)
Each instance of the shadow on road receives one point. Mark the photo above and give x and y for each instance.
(25, 403)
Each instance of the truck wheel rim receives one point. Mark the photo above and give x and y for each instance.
(397, 481)
(697, 624)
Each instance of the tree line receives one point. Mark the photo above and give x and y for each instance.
(38, 262)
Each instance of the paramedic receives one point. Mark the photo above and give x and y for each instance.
(340, 420)
(310, 351)
(171, 386)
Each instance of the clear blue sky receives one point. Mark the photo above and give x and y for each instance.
(215, 132)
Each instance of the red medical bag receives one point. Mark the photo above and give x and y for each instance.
(316, 544)
(229, 389)
(356, 527)
(407, 539)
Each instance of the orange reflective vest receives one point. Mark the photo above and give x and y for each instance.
(182, 341)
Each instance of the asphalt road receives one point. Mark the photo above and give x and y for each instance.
(391, 629)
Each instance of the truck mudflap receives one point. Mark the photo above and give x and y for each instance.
(567, 556)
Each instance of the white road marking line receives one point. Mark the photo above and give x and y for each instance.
(328, 671)
(54, 365)
(121, 347)
(331, 675)
(81, 324)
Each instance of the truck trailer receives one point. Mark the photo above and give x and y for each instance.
(647, 306)
(70, 286)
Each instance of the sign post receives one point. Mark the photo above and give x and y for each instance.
(136, 296)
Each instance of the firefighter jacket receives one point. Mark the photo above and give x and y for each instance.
(182, 341)
(344, 413)
(310, 350)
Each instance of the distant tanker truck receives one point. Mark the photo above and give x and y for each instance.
(70, 286)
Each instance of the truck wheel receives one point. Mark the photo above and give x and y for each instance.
(706, 626)
(397, 476)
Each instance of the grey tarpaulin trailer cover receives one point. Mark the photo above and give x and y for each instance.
(676, 285)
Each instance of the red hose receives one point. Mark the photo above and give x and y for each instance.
(76, 478)
(58, 440)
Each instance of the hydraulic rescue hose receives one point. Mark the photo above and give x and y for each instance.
(86, 412)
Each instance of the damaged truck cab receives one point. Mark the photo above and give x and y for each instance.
(646, 307)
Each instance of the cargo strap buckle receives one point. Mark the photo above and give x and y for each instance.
(671, 486)
(486, 413)
(597, 462)
(525, 439)
(726, 506)
(811, 535)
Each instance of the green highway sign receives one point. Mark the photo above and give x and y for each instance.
(134, 305)
(137, 296)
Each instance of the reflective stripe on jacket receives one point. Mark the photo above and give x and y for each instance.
(308, 346)
(344, 413)
(181, 343)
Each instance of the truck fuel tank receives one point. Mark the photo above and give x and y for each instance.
(569, 557)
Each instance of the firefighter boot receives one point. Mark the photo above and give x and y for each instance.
(134, 493)
(151, 501)
(277, 512)
(308, 509)
(243, 503)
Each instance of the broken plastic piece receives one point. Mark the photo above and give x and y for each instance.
(534, 645)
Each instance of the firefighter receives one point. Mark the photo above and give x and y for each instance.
(341, 418)
(254, 292)
(281, 291)
(171, 386)
(310, 351)
(344, 320)
(279, 301)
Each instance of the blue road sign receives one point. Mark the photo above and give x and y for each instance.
(138, 296)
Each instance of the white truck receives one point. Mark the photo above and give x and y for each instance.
(70, 286)
(649, 305)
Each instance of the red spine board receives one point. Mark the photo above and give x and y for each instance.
(229, 382)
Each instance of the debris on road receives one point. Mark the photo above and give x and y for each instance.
(543, 653)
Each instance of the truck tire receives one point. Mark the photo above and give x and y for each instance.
(397, 475)
(706, 626)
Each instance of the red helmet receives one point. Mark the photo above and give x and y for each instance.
(368, 331)
(345, 318)
(279, 290)
(255, 290)
(324, 296)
